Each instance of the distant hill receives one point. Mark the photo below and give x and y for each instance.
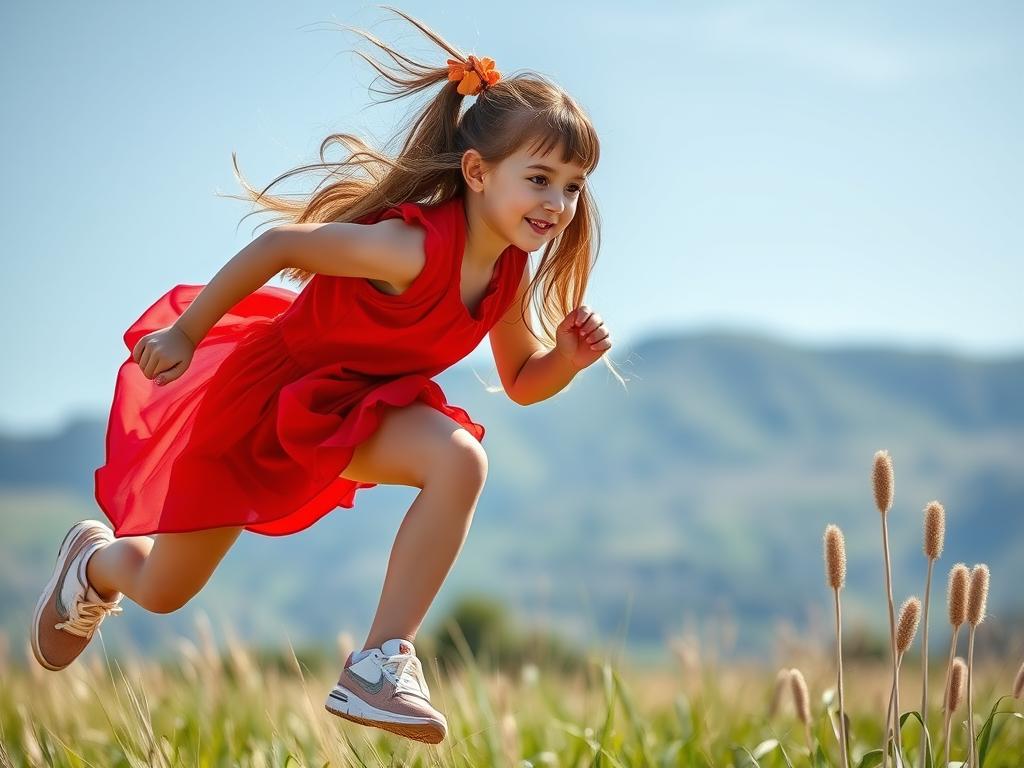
(703, 490)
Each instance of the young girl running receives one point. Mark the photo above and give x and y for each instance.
(249, 407)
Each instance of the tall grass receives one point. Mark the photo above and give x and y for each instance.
(835, 571)
(934, 540)
(883, 482)
(977, 596)
(237, 706)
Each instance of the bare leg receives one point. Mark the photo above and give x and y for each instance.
(427, 543)
(116, 567)
(418, 446)
(160, 573)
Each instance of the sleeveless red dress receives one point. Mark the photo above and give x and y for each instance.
(284, 387)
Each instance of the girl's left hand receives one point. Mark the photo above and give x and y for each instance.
(582, 337)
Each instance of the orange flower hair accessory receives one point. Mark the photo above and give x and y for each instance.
(474, 75)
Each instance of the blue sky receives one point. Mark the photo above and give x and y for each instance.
(827, 173)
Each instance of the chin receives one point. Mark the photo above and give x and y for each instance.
(529, 245)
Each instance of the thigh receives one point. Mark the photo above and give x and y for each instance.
(189, 559)
(409, 443)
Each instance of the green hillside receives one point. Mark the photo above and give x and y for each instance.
(700, 492)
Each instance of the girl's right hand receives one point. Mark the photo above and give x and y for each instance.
(164, 354)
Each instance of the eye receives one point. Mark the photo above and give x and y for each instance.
(575, 187)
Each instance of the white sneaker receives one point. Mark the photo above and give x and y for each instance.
(386, 689)
(69, 611)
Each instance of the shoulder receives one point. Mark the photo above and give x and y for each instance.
(403, 237)
(422, 233)
(386, 250)
(405, 246)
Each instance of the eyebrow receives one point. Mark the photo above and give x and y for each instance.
(552, 170)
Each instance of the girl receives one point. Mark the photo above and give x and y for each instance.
(248, 407)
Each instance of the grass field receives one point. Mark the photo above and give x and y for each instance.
(237, 707)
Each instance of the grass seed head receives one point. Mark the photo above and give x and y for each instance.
(956, 594)
(977, 594)
(955, 692)
(910, 614)
(781, 683)
(883, 481)
(835, 557)
(801, 698)
(934, 530)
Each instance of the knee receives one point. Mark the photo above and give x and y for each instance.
(463, 461)
(165, 602)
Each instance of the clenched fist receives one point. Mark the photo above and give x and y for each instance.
(164, 354)
(582, 337)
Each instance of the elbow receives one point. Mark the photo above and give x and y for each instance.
(273, 248)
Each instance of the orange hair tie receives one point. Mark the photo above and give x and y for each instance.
(474, 75)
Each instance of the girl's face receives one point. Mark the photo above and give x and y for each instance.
(526, 186)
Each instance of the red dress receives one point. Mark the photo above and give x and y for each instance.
(283, 388)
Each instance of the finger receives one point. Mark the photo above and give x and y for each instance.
(152, 365)
(598, 334)
(147, 352)
(582, 314)
(170, 374)
(594, 325)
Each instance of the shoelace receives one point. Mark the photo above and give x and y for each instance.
(86, 616)
(406, 674)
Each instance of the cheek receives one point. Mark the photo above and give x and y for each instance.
(520, 204)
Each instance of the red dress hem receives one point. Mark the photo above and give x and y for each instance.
(338, 492)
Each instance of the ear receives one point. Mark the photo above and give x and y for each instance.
(473, 169)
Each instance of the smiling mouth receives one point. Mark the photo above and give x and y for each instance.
(540, 227)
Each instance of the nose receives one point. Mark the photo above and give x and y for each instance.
(555, 204)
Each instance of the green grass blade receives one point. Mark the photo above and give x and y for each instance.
(870, 759)
(988, 730)
(929, 761)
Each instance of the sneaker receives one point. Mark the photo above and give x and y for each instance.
(70, 610)
(385, 689)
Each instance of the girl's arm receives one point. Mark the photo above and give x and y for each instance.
(246, 272)
(389, 250)
(529, 373)
(546, 373)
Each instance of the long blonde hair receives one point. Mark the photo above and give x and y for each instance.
(522, 109)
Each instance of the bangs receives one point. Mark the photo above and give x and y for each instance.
(569, 130)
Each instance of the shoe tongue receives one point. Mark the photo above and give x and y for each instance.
(398, 645)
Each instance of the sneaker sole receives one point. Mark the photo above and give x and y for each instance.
(343, 703)
(62, 553)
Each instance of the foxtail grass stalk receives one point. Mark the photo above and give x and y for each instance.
(835, 562)
(884, 482)
(954, 695)
(910, 615)
(956, 600)
(802, 704)
(1018, 683)
(977, 595)
(934, 537)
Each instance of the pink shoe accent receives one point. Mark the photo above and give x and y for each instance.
(386, 689)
